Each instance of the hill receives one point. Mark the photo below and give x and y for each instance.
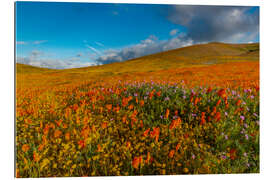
(23, 68)
(195, 55)
(180, 62)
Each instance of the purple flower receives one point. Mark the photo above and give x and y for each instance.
(167, 99)
(194, 115)
(246, 126)
(145, 97)
(222, 133)
(223, 156)
(226, 137)
(233, 93)
(226, 114)
(193, 156)
(245, 154)
(184, 97)
(242, 117)
(161, 116)
(246, 136)
(248, 164)
(252, 97)
(135, 94)
(255, 114)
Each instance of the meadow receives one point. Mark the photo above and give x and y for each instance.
(188, 114)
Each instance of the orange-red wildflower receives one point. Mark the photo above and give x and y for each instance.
(25, 147)
(171, 154)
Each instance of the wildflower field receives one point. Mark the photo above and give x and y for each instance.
(190, 120)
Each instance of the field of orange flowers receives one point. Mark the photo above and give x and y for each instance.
(197, 120)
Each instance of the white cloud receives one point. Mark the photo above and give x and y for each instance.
(100, 44)
(21, 42)
(148, 46)
(37, 58)
(93, 49)
(173, 32)
(40, 42)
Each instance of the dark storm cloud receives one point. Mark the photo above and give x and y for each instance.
(216, 23)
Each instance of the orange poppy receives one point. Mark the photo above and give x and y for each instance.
(167, 113)
(171, 154)
(219, 101)
(145, 134)
(36, 156)
(238, 102)
(218, 116)
(177, 147)
(81, 144)
(141, 102)
(104, 125)
(203, 119)
(57, 133)
(67, 136)
(25, 147)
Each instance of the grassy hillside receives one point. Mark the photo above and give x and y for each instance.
(196, 55)
(201, 55)
(23, 68)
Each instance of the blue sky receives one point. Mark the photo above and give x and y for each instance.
(68, 35)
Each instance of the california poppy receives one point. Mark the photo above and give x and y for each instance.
(171, 154)
(25, 147)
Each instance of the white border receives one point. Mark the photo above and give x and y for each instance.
(7, 86)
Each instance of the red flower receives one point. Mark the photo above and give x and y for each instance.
(219, 101)
(171, 154)
(222, 93)
(238, 102)
(145, 134)
(81, 144)
(209, 90)
(218, 116)
(233, 154)
(203, 119)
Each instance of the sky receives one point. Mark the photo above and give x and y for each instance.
(62, 35)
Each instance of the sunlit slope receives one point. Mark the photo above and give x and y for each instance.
(23, 68)
(196, 55)
(171, 63)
